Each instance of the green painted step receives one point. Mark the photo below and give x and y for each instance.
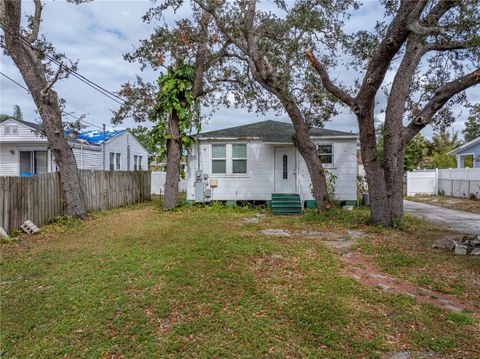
(286, 203)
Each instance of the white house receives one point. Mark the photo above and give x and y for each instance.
(252, 162)
(25, 151)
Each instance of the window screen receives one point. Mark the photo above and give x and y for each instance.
(219, 158)
(239, 158)
(117, 161)
(25, 162)
(40, 162)
(325, 153)
(112, 161)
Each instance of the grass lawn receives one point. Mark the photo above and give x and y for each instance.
(460, 204)
(141, 282)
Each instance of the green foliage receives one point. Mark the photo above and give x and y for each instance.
(331, 181)
(415, 152)
(472, 125)
(17, 114)
(441, 160)
(174, 102)
(442, 143)
(142, 134)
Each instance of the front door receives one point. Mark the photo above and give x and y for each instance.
(285, 170)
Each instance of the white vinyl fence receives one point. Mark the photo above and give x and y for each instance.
(158, 183)
(455, 182)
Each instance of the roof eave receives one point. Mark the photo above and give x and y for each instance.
(464, 146)
(319, 137)
(217, 138)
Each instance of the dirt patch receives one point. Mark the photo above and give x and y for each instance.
(459, 204)
(362, 270)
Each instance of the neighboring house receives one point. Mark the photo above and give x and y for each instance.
(25, 151)
(252, 162)
(471, 149)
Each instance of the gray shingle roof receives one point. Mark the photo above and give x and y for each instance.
(35, 126)
(269, 131)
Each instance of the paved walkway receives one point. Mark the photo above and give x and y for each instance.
(464, 222)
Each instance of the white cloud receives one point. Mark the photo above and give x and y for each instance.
(100, 32)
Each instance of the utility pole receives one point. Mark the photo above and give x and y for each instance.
(103, 146)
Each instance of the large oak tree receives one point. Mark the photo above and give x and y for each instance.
(268, 45)
(28, 51)
(433, 48)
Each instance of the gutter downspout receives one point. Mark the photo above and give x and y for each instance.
(103, 147)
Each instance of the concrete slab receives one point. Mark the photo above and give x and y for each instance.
(464, 222)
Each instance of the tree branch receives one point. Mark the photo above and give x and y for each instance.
(36, 19)
(220, 24)
(441, 97)
(418, 29)
(201, 56)
(327, 83)
(55, 79)
(447, 46)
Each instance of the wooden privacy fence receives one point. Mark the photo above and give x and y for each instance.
(39, 198)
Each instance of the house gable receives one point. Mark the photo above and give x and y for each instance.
(12, 130)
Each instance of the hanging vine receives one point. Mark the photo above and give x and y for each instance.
(175, 98)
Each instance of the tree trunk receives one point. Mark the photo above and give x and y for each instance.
(385, 181)
(393, 163)
(373, 169)
(174, 156)
(46, 101)
(307, 149)
(74, 201)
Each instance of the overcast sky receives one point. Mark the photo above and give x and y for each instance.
(100, 32)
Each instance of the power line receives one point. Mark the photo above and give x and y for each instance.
(65, 113)
(15, 82)
(112, 96)
(81, 120)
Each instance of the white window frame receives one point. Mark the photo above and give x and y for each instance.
(32, 157)
(219, 159)
(11, 130)
(118, 161)
(112, 157)
(326, 154)
(229, 160)
(240, 158)
(140, 158)
(135, 162)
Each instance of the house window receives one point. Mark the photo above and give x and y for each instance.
(325, 153)
(135, 161)
(285, 167)
(33, 162)
(139, 163)
(239, 158)
(117, 161)
(112, 161)
(11, 130)
(219, 159)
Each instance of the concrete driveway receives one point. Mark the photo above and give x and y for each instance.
(464, 222)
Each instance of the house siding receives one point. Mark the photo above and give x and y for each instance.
(118, 144)
(88, 159)
(24, 133)
(258, 182)
(344, 167)
(475, 150)
(87, 156)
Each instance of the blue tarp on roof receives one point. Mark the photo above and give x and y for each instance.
(95, 137)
